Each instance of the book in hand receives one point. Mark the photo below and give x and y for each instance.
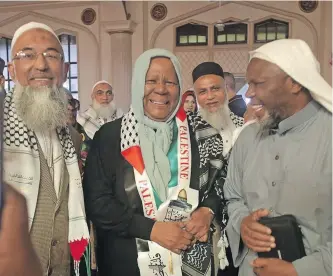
(288, 238)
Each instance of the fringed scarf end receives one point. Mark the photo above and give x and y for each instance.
(77, 268)
(223, 244)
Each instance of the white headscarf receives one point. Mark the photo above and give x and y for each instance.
(296, 59)
(31, 26)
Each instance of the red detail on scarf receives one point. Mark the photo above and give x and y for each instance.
(134, 156)
(77, 248)
(181, 114)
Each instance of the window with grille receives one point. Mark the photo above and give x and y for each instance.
(192, 34)
(5, 52)
(69, 46)
(270, 30)
(231, 34)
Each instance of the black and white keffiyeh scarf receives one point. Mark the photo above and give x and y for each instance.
(22, 171)
(210, 144)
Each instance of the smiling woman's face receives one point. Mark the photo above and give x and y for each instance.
(161, 93)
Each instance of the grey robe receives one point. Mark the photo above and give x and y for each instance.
(289, 172)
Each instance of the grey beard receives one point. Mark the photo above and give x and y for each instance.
(219, 119)
(269, 123)
(104, 111)
(43, 108)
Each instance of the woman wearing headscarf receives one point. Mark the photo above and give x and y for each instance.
(189, 102)
(141, 182)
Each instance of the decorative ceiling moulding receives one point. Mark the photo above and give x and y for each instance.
(120, 26)
(189, 21)
(66, 23)
(256, 5)
(88, 16)
(43, 5)
(66, 31)
(291, 15)
(2, 35)
(224, 20)
(158, 12)
(21, 15)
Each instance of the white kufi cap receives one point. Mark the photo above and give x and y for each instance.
(31, 26)
(100, 82)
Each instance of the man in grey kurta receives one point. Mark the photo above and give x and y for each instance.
(284, 167)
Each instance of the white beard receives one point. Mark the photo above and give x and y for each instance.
(104, 111)
(42, 108)
(219, 119)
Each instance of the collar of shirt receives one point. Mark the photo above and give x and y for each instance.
(298, 118)
(236, 98)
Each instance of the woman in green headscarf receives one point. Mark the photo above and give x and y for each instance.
(141, 181)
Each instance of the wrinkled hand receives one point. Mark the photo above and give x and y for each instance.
(17, 256)
(273, 267)
(171, 235)
(255, 235)
(199, 224)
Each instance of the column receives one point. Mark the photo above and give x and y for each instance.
(121, 60)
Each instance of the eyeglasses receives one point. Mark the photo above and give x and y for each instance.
(74, 103)
(154, 83)
(30, 55)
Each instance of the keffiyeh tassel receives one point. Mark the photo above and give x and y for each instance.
(223, 244)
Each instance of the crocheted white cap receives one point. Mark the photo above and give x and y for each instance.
(100, 82)
(30, 26)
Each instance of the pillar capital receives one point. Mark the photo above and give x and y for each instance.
(120, 26)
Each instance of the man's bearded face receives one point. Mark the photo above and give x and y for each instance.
(41, 108)
(213, 101)
(103, 94)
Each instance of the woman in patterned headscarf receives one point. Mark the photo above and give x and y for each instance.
(141, 182)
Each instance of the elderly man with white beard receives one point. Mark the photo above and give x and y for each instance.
(40, 158)
(102, 109)
(214, 126)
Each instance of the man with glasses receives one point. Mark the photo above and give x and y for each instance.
(40, 158)
(102, 110)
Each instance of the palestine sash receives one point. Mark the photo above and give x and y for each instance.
(182, 200)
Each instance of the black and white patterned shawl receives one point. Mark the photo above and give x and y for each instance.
(22, 171)
(210, 144)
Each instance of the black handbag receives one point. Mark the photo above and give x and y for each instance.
(288, 238)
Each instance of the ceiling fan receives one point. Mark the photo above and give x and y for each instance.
(220, 25)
